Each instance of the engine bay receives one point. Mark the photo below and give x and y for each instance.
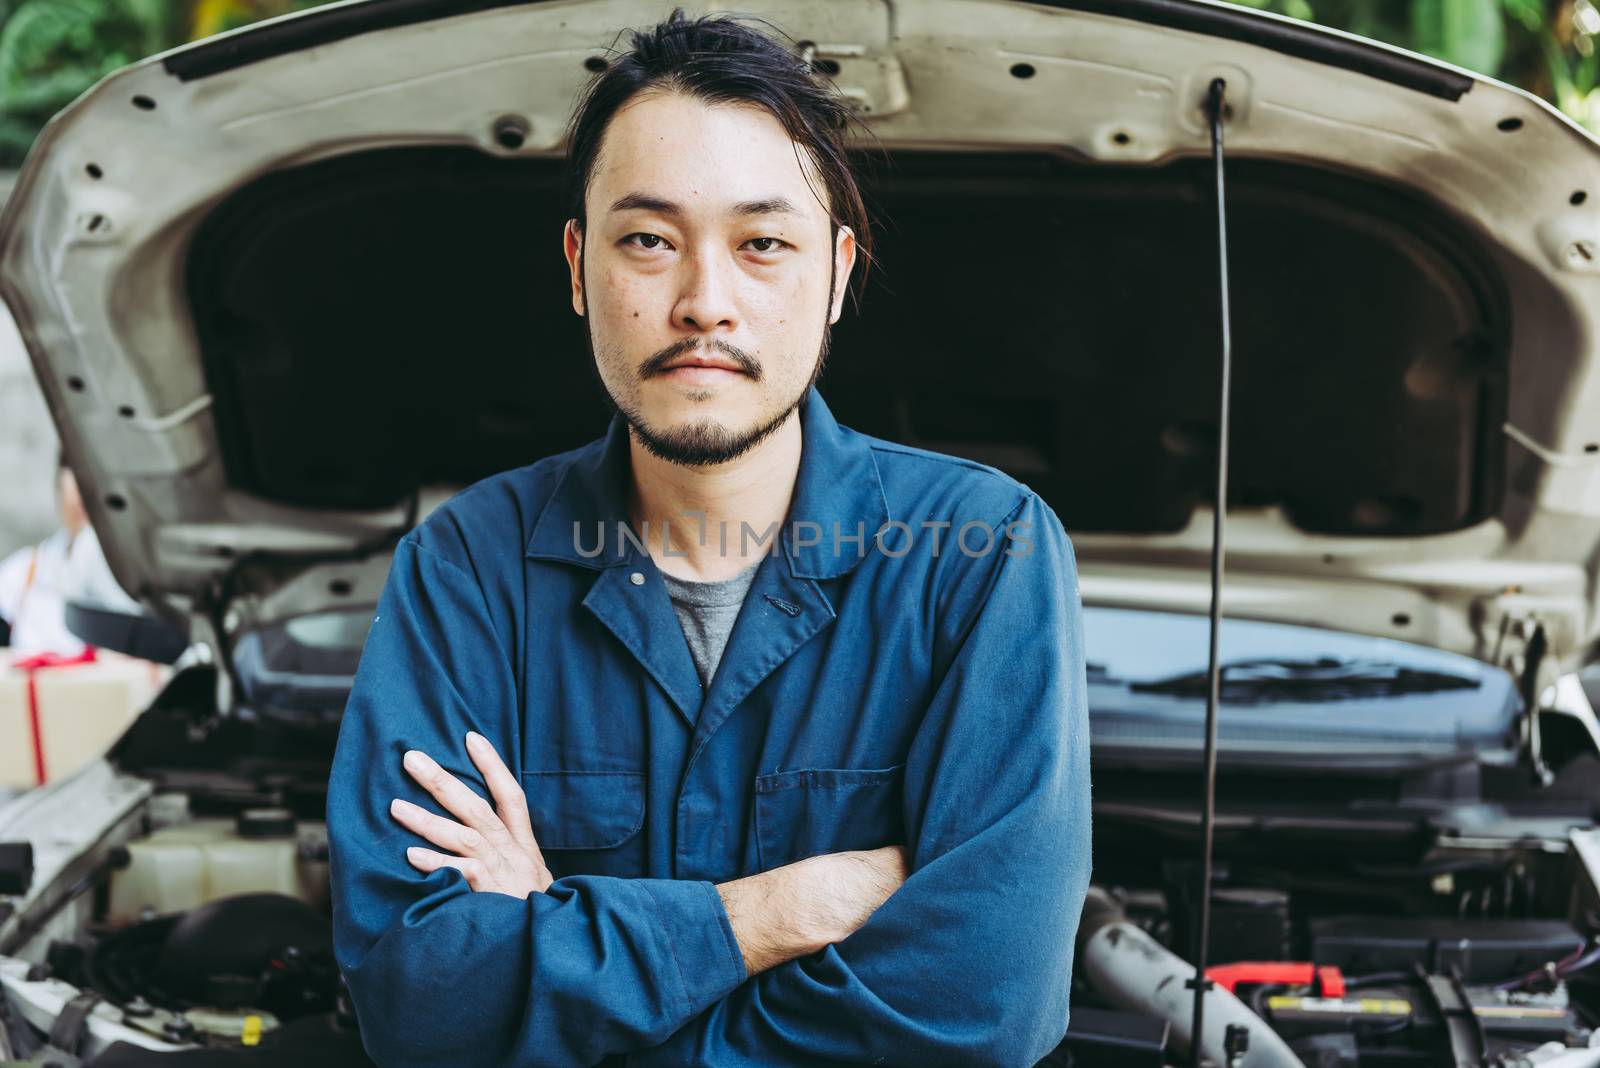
(1466, 956)
(1445, 917)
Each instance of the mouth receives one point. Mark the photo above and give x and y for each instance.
(703, 364)
(703, 369)
(702, 374)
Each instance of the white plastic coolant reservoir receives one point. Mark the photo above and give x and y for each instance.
(191, 863)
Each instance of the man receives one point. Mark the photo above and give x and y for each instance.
(575, 818)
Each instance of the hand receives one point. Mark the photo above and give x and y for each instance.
(497, 850)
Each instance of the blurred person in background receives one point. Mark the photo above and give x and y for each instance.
(37, 581)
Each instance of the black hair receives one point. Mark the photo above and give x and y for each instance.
(722, 61)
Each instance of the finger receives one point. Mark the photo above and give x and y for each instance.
(509, 799)
(457, 799)
(426, 860)
(447, 834)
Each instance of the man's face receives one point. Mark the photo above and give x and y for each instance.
(705, 243)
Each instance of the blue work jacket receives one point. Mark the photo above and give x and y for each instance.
(889, 679)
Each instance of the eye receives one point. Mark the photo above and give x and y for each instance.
(773, 243)
(644, 237)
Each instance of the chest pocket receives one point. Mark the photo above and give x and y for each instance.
(587, 822)
(804, 813)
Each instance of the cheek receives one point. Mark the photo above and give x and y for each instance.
(786, 302)
(624, 299)
(795, 312)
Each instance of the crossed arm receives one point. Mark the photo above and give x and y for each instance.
(776, 915)
(967, 962)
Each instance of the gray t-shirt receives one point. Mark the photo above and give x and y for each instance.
(707, 611)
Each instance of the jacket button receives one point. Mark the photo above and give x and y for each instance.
(637, 578)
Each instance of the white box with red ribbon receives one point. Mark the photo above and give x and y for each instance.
(59, 713)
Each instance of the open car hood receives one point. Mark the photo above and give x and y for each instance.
(287, 288)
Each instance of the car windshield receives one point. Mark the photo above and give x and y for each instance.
(1286, 689)
(1138, 646)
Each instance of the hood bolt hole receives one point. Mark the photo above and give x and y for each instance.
(1122, 137)
(126, 411)
(511, 132)
(75, 384)
(1508, 125)
(144, 103)
(1022, 70)
(94, 171)
(595, 63)
(340, 587)
(1577, 198)
(1400, 619)
(116, 502)
(1592, 447)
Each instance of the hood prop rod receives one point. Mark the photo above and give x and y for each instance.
(1215, 108)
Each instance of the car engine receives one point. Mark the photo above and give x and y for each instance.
(1441, 916)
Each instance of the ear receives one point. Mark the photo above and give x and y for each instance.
(844, 260)
(572, 246)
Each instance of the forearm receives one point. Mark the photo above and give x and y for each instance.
(768, 915)
(800, 908)
(968, 964)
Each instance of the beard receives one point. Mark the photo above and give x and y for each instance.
(708, 442)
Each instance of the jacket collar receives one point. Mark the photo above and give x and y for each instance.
(838, 495)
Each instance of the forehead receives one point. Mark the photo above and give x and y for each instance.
(706, 157)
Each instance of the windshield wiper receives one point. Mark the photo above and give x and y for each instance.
(1267, 679)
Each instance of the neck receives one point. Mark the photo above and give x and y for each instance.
(754, 489)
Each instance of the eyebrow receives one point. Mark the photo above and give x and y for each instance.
(646, 202)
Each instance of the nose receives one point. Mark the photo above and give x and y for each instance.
(706, 299)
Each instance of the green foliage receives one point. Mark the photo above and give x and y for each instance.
(52, 50)
(1544, 46)
(1468, 33)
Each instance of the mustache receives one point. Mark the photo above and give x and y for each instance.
(657, 364)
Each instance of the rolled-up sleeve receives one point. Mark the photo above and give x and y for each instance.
(969, 962)
(442, 975)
